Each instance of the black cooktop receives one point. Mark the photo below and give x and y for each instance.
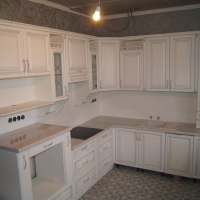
(84, 132)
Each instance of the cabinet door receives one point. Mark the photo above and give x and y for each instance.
(196, 159)
(37, 46)
(151, 150)
(157, 64)
(11, 52)
(109, 66)
(178, 155)
(127, 147)
(182, 49)
(131, 70)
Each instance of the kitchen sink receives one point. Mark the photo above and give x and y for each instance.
(154, 124)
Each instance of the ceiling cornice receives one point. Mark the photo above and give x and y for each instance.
(51, 4)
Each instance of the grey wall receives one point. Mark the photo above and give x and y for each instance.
(168, 22)
(41, 15)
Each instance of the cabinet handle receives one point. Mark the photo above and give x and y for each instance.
(87, 179)
(106, 163)
(68, 141)
(66, 90)
(46, 145)
(84, 148)
(24, 65)
(121, 83)
(105, 148)
(137, 136)
(28, 67)
(104, 135)
(85, 162)
(170, 86)
(24, 162)
(100, 84)
(167, 83)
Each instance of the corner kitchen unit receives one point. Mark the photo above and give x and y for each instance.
(58, 77)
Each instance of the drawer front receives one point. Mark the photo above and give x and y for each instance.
(105, 136)
(85, 181)
(104, 148)
(83, 149)
(45, 145)
(67, 195)
(84, 162)
(106, 163)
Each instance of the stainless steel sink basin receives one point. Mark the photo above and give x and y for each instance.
(154, 124)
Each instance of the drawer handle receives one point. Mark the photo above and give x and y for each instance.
(84, 148)
(104, 135)
(87, 179)
(106, 163)
(46, 145)
(105, 148)
(85, 162)
(24, 162)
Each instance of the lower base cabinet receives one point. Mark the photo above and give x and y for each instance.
(143, 149)
(196, 158)
(179, 155)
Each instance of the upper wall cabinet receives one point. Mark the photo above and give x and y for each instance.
(77, 61)
(17, 61)
(131, 70)
(182, 50)
(12, 62)
(157, 63)
(170, 69)
(109, 65)
(37, 45)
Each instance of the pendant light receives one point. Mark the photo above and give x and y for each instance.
(96, 15)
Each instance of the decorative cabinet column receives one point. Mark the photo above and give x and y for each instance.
(157, 64)
(182, 52)
(109, 65)
(196, 158)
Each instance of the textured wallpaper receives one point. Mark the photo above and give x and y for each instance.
(169, 22)
(41, 15)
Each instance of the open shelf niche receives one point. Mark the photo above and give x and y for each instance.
(131, 45)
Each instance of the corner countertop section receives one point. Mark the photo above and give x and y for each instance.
(105, 123)
(25, 138)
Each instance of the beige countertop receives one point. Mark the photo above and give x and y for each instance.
(24, 138)
(104, 122)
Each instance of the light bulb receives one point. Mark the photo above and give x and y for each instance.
(96, 15)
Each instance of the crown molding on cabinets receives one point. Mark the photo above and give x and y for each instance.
(147, 12)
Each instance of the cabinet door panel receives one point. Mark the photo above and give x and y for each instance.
(11, 52)
(131, 70)
(151, 150)
(178, 155)
(127, 147)
(182, 49)
(109, 66)
(37, 52)
(157, 64)
(196, 160)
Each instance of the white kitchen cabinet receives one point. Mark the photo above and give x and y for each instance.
(77, 50)
(127, 147)
(182, 56)
(37, 46)
(12, 61)
(143, 149)
(157, 63)
(196, 158)
(178, 155)
(109, 65)
(131, 70)
(151, 150)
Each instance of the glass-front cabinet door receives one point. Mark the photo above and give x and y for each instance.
(60, 88)
(94, 72)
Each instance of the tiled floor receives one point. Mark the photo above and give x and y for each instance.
(125, 183)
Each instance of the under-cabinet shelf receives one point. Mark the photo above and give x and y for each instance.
(8, 110)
